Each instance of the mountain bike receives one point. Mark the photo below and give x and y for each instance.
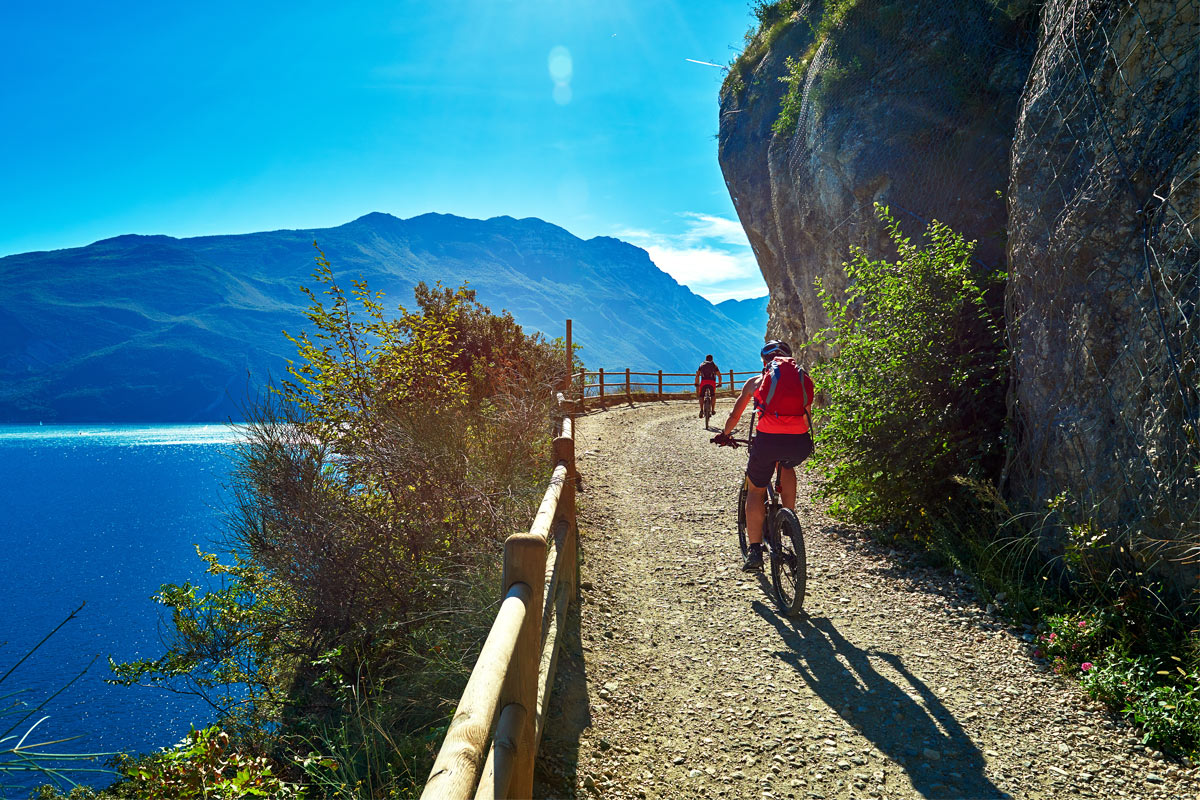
(706, 404)
(783, 537)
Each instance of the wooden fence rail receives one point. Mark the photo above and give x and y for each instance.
(507, 696)
(515, 671)
(589, 388)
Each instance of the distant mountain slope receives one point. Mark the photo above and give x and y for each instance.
(750, 313)
(153, 328)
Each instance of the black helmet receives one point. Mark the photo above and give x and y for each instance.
(708, 358)
(774, 348)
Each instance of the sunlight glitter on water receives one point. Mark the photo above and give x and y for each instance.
(121, 435)
(103, 515)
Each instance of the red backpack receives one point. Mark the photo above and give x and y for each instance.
(783, 397)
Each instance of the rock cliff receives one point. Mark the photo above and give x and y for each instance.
(911, 104)
(1060, 135)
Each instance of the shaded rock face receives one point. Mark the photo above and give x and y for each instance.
(1104, 203)
(909, 104)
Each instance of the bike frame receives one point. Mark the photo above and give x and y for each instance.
(774, 501)
(783, 558)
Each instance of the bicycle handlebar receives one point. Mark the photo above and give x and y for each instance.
(729, 441)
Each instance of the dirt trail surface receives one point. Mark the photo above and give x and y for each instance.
(684, 681)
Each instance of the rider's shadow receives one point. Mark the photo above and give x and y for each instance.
(922, 737)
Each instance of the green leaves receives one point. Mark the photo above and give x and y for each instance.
(371, 495)
(915, 383)
(207, 765)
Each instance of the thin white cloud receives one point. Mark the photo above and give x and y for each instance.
(710, 256)
(724, 230)
(702, 265)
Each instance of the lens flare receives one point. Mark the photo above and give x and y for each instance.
(561, 69)
(560, 65)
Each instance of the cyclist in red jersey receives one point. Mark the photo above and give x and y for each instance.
(708, 375)
(782, 396)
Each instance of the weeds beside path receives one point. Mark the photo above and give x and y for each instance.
(683, 681)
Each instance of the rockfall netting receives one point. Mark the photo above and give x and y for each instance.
(1104, 208)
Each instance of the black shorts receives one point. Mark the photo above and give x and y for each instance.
(789, 449)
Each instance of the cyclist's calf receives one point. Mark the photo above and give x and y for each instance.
(756, 513)
(787, 487)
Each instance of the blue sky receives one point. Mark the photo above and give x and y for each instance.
(221, 117)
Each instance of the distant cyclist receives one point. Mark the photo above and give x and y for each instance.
(783, 396)
(708, 376)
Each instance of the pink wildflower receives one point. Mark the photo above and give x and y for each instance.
(1053, 636)
(1082, 624)
(1037, 653)
(1085, 666)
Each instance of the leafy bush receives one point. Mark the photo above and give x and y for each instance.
(1072, 642)
(1142, 680)
(914, 386)
(204, 765)
(770, 14)
(833, 15)
(373, 491)
(773, 20)
(1156, 693)
(793, 97)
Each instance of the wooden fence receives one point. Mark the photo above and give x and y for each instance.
(507, 696)
(592, 389)
(515, 670)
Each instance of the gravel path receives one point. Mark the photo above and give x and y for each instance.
(682, 680)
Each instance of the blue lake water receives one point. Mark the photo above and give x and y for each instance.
(102, 515)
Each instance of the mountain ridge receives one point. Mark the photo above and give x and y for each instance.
(151, 327)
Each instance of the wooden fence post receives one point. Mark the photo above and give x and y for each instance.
(525, 562)
(570, 359)
(628, 390)
(731, 387)
(564, 450)
(601, 376)
(660, 391)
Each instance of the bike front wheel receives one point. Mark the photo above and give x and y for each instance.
(789, 563)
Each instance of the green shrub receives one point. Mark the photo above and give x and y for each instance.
(1152, 680)
(833, 15)
(771, 14)
(1072, 641)
(914, 385)
(773, 20)
(793, 97)
(1155, 693)
(373, 491)
(204, 765)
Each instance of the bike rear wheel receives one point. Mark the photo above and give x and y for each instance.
(789, 564)
(743, 542)
(708, 406)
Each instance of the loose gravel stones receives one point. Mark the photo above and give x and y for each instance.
(680, 679)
